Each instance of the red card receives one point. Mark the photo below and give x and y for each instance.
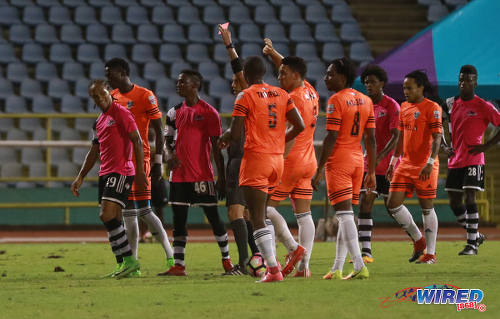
(224, 26)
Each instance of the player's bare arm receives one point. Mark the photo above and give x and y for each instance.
(297, 124)
(476, 149)
(391, 144)
(219, 163)
(397, 153)
(170, 156)
(436, 142)
(159, 141)
(371, 150)
(326, 150)
(233, 55)
(447, 148)
(88, 163)
(233, 133)
(140, 176)
(271, 52)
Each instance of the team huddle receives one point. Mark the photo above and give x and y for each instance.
(271, 157)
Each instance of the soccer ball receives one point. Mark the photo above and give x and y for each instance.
(256, 266)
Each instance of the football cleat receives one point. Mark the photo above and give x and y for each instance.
(418, 249)
(236, 271)
(480, 239)
(227, 264)
(292, 259)
(306, 273)
(360, 274)
(176, 270)
(117, 269)
(468, 250)
(134, 274)
(269, 277)
(130, 264)
(337, 274)
(426, 259)
(170, 262)
(366, 260)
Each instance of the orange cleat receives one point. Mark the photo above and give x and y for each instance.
(270, 277)
(418, 249)
(292, 259)
(303, 273)
(227, 264)
(426, 259)
(176, 270)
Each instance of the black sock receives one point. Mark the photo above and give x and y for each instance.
(460, 214)
(251, 240)
(241, 237)
(472, 224)
(219, 230)
(118, 239)
(180, 233)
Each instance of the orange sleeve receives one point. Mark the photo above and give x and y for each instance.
(434, 118)
(370, 123)
(289, 104)
(401, 125)
(333, 115)
(242, 104)
(151, 105)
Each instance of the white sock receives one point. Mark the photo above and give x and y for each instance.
(281, 229)
(156, 228)
(430, 229)
(340, 251)
(270, 227)
(402, 215)
(306, 237)
(350, 233)
(132, 229)
(264, 241)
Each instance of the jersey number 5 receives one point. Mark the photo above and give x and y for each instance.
(355, 125)
(272, 115)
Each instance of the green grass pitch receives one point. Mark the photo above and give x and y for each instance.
(29, 287)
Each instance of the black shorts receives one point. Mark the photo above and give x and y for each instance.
(115, 188)
(193, 194)
(382, 185)
(159, 197)
(234, 194)
(469, 177)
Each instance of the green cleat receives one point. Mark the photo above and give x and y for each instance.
(134, 274)
(337, 274)
(130, 264)
(170, 262)
(117, 269)
(361, 274)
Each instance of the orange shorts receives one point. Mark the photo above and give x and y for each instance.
(136, 195)
(406, 179)
(261, 171)
(344, 183)
(296, 181)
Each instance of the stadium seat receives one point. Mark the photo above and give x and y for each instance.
(300, 33)
(59, 156)
(79, 154)
(134, 70)
(72, 71)
(73, 3)
(148, 33)
(165, 87)
(137, 15)
(45, 71)
(316, 14)
(88, 53)
(16, 135)
(126, 3)
(275, 32)
(203, 3)
(153, 71)
(198, 33)
(85, 15)
(42, 104)
(47, 3)
(100, 3)
(57, 88)
(33, 15)
(173, 33)
(97, 34)
(305, 3)
(9, 16)
(114, 50)
(11, 169)
(334, 2)
(81, 88)
(213, 15)
(177, 67)
(30, 88)
(332, 50)
(360, 52)
(37, 169)
(325, 32)
(218, 87)
(282, 48)
(249, 32)
(96, 70)
(6, 88)
(5, 125)
(141, 82)
(228, 3)
(342, 14)
(8, 154)
(40, 134)
(281, 2)
(152, 3)
(197, 53)
(67, 169)
(436, 12)
(20, 34)
(226, 103)
(16, 72)
(111, 16)
(307, 51)
(142, 53)
(59, 15)
(239, 15)
(428, 2)
(30, 124)
(69, 134)
(290, 14)
(265, 14)
(187, 15)
(46, 34)
(31, 154)
(170, 53)
(84, 124)
(455, 4)
(59, 124)
(15, 104)
(162, 15)
(123, 33)
(351, 32)
(249, 49)
(7, 53)
(60, 53)
(72, 34)
(255, 3)
(316, 70)
(208, 70)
